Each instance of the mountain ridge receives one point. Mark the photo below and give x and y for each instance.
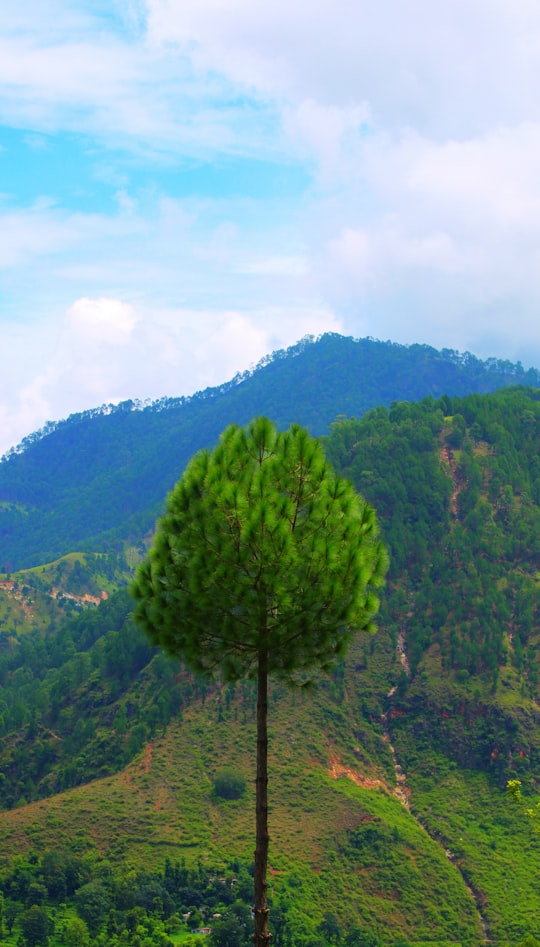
(502, 371)
(96, 473)
(116, 748)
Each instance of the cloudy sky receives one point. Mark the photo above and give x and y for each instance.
(187, 185)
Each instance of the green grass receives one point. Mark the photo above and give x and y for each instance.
(491, 841)
(46, 594)
(401, 883)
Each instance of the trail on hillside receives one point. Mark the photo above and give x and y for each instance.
(402, 792)
(447, 457)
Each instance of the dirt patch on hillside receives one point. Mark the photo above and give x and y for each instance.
(447, 458)
(338, 771)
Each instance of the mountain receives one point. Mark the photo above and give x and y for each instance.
(90, 482)
(387, 781)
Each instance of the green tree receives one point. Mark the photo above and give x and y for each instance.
(76, 933)
(53, 871)
(35, 926)
(361, 937)
(230, 931)
(330, 929)
(229, 784)
(12, 910)
(264, 563)
(513, 789)
(93, 901)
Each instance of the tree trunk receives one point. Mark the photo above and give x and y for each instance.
(262, 934)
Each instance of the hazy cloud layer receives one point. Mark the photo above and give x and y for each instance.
(186, 186)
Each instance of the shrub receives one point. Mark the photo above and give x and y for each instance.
(229, 784)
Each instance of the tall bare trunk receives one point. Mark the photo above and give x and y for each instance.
(262, 934)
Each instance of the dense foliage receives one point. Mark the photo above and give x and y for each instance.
(264, 565)
(263, 555)
(451, 679)
(68, 709)
(93, 480)
(457, 485)
(78, 899)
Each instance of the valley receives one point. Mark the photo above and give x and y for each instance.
(388, 808)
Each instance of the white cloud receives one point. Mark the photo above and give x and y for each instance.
(159, 252)
(290, 265)
(330, 134)
(423, 125)
(105, 351)
(209, 75)
(417, 126)
(30, 235)
(80, 73)
(495, 176)
(453, 69)
(101, 320)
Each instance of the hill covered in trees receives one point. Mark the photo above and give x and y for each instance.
(388, 808)
(89, 482)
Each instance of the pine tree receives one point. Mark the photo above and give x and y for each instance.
(264, 564)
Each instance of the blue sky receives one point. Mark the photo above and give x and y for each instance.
(186, 185)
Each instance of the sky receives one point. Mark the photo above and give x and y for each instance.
(188, 185)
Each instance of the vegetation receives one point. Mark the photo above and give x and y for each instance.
(229, 784)
(117, 751)
(264, 564)
(82, 900)
(314, 818)
(78, 900)
(91, 482)
(457, 484)
(513, 788)
(43, 597)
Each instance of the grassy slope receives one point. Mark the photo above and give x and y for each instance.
(496, 847)
(37, 597)
(323, 791)
(332, 777)
(329, 760)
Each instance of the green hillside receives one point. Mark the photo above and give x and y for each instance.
(42, 597)
(92, 481)
(342, 843)
(389, 819)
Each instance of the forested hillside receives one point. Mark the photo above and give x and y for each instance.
(389, 812)
(93, 480)
(456, 483)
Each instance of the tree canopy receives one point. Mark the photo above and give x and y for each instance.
(264, 564)
(261, 547)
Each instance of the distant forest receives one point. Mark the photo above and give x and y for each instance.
(86, 482)
(394, 823)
